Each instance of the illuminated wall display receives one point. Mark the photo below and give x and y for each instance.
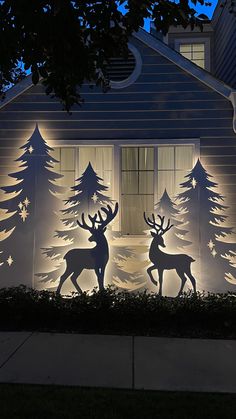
(62, 237)
(74, 188)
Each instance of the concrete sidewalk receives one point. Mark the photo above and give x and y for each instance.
(118, 361)
(66, 359)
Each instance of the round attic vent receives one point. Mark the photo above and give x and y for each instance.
(120, 69)
(123, 72)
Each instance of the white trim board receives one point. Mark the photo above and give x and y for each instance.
(16, 91)
(167, 52)
(185, 64)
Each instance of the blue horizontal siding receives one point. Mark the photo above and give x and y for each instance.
(164, 103)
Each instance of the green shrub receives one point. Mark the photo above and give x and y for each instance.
(112, 312)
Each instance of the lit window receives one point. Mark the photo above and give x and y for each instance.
(74, 160)
(146, 172)
(173, 162)
(65, 165)
(137, 187)
(101, 158)
(194, 52)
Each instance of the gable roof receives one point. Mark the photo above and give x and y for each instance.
(182, 62)
(166, 51)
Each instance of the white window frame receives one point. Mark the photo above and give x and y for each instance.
(117, 146)
(205, 41)
(195, 142)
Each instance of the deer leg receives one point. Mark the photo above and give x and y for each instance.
(149, 271)
(62, 280)
(100, 277)
(160, 272)
(74, 282)
(192, 279)
(183, 279)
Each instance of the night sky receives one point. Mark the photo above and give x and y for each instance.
(201, 9)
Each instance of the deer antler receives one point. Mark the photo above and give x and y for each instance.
(152, 223)
(85, 225)
(159, 228)
(101, 222)
(110, 215)
(168, 226)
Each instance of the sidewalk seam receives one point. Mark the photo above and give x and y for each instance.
(16, 350)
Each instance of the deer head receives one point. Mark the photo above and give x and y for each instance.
(159, 228)
(98, 223)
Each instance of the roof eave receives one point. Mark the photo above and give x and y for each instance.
(16, 91)
(184, 63)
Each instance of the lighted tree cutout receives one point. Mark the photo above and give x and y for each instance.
(206, 221)
(27, 212)
(82, 200)
(176, 237)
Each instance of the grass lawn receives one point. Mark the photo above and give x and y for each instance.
(34, 402)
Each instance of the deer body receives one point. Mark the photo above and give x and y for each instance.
(167, 261)
(94, 258)
(164, 261)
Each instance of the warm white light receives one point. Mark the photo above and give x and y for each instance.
(194, 183)
(24, 214)
(211, 245)
(20, 205)
(31, 149)
(95, 198)
(26, 202)
(214, 253)
(10, 260)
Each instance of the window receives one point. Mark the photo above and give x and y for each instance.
(101, 158)
(145, 173)
(65, 166)
(137, 187)
(194, 52)
(172, 164)
(74, 160)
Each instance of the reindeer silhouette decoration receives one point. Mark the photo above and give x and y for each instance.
(95, 258)
(164, 261)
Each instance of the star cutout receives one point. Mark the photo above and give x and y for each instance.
(31, 149)
(23, 214)
(214, 253)
(94, 198)
(20, 205)
(10, 260)
(26, 202)
(194, 183)
(211, 244)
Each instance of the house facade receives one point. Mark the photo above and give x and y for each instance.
(164, 122)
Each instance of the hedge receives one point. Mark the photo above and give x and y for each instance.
(203, 315)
